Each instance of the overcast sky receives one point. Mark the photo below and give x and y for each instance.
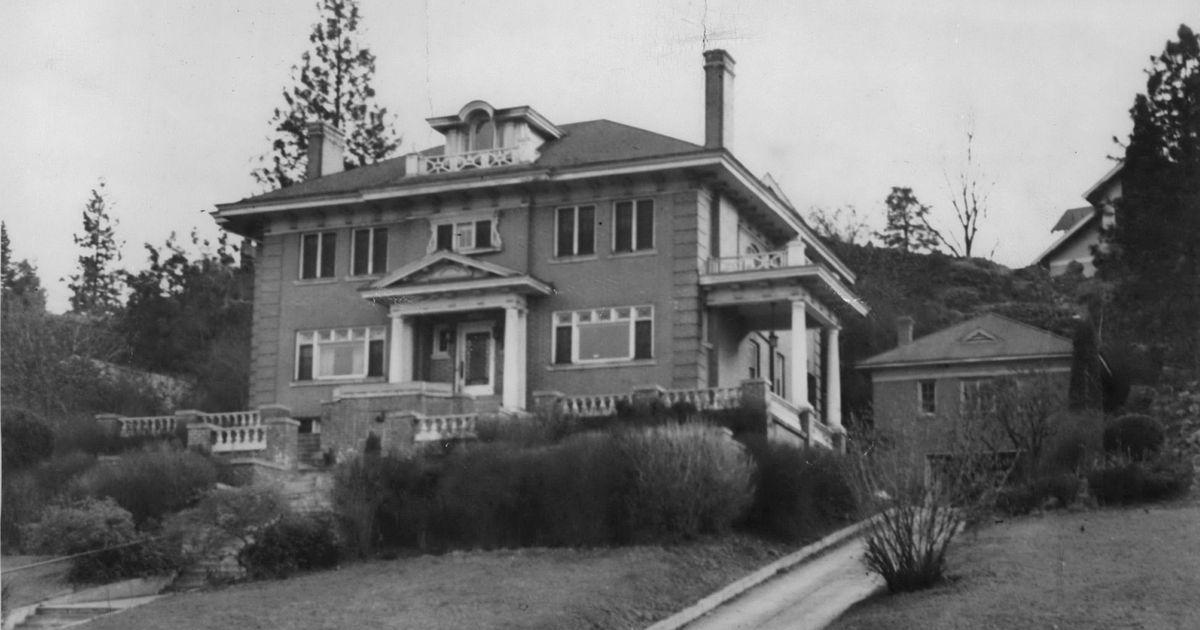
(169, 101)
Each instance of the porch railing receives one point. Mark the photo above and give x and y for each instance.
(752, 262)
(234, 418)
(593, 405)
(707, 399)
(450, 427)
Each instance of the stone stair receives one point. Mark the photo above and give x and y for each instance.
(66, 615)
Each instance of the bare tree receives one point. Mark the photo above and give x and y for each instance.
(969, 198)
(843, 224)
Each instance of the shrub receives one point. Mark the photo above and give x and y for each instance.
(153, 483)
(800, 493)
(1075, 444)
(26, 440)
(687, 480)
(907, 543)
(91, 525)
(522, 431)
(226, 516)
(1135, 436)
(1126, 481)
(25, 493)
(294, 543)
(1023, 498)
(358, 495)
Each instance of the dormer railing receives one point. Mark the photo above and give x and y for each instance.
(487, 158)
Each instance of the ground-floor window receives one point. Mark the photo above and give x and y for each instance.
(604, 334)
(340, 353)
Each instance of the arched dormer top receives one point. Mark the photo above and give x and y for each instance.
(469, 110)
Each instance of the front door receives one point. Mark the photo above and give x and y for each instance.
(476, 359)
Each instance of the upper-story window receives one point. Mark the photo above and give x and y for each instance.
(576, 231)
(368, 251)
(633, 225)
(318, 252)
(927, 396)
(466, 234)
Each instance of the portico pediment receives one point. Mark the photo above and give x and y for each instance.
(447, 273)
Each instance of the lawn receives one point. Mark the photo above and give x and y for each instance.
(628, 587)
(1118, 568)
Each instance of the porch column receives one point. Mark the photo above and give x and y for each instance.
(515, 322)
(400, 362)
(798, 368)
(833, 379)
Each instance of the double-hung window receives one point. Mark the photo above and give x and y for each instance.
(604, 334)
(978, 397)
(576, 231)
(927, 396)
(318, 251)
(339, 353)
(633, 225)
(368, 251)
(465, 235)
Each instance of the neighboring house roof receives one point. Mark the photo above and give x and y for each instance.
(591, 142)
(989, 337)
(1071, 217)
(1083, 217)
(1097, 190)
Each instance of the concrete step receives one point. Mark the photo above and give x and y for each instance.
(62, 616)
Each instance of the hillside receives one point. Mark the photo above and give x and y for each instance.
(938, 291)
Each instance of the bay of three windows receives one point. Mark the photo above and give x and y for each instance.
(633, 228)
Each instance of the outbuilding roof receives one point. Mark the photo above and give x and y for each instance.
(988, 337)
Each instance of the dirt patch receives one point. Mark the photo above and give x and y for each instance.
(1128, 568)
(530, 588)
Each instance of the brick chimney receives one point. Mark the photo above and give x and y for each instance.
(718, 99)
(325, 145)
(904, 330)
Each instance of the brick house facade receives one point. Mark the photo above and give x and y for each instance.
(524, 257)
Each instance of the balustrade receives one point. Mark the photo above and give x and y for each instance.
(452, 427)
(238, 439)
(234, 418)
(146, 426)
(486, 158)
(749, 262)
(709, 399)
(593, 405)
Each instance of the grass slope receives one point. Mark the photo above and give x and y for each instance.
(531, 588)
(1129, 568)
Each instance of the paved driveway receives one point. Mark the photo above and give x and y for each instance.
(809, 597)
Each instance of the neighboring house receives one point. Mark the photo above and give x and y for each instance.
(1081, 227)
(923, 389)
(525, 259)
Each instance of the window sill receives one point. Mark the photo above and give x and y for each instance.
(315, 281)
(467, 252)
(369, 277)
(334, 382)
(570, 367)
(564, 260)
(637, 254)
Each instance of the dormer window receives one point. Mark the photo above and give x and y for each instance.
(482, 134)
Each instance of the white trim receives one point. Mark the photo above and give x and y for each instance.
(957, 362)
(949, 374)
(1109, 176)
(523, 282)
(457, 304)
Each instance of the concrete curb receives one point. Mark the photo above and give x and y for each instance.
(782, 565)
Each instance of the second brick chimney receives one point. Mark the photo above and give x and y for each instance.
(325, 146)
(718, 99)
(904, 330)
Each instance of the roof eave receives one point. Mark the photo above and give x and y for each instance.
(867, 365)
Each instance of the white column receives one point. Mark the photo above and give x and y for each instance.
(400, 360)
(798, 361)
(514, 358)
(833, 379)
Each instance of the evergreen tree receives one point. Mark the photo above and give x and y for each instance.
(21, 285)
(1153, 249)
(908, 227)
(96, 289)
(331, 84)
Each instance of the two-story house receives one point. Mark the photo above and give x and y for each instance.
(524, 258)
